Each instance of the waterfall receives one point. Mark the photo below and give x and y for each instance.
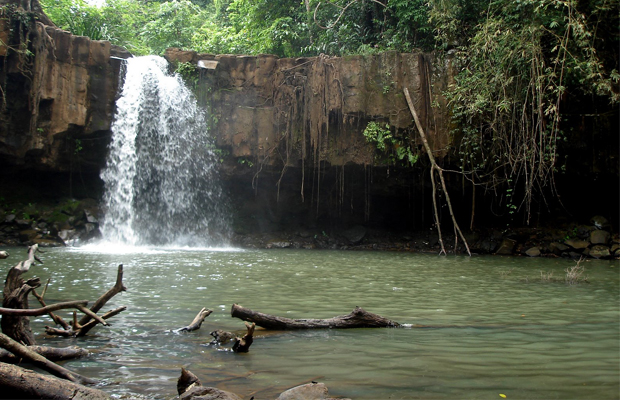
(161, 185)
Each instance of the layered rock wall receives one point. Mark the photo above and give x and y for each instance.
(293, 111)
(58, 94)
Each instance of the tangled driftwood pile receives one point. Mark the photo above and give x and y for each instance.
(17, 342)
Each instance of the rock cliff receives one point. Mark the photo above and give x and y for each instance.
(58, 93)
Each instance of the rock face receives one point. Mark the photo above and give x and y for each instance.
(305, 111)
(291, 134)
(59, 94)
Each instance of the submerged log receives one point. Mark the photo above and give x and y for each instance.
(41, 362)
(358, 318)
(51, 353)
(21, 383)
(197, 322)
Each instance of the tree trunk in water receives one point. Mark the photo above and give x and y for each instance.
(15, 296)
(17, 382)
(41, 362)
(358, 318)
(51, 353)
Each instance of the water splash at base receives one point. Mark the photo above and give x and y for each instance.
(161, 186)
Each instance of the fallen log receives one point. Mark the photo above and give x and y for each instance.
(21, 383)
(197, 322)
(358, 318)
(51, 353)
(42, 362)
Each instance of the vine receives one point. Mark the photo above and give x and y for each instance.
(387, 143)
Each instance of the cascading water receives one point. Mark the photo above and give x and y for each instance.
(160, 179)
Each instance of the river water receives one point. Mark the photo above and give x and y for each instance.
(495, 326)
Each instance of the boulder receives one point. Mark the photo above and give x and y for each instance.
(309, 391)
(600, 222)
(600, 251)
(506, 247)
(278, 244)
(533, 252)
(599, 237)
(208, 393)
(577, 244)
(557, 248)
(90, 218)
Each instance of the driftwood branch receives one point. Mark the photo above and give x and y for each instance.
(358, 318)
(101, 301)
(57, 319)
(242, 345)
(90, 318)
(83, 329)
(197, 322)
(33, 312)
(21, 383)
(41, 362)
(51, 353)
(435, 167)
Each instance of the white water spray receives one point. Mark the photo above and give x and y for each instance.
(160, 179)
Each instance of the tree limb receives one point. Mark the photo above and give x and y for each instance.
(101, 301)
(33, 312)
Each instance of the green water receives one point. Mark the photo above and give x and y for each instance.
(496, 327)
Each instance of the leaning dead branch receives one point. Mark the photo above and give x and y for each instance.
(197, 322)
(439, 170)
(358, 318)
